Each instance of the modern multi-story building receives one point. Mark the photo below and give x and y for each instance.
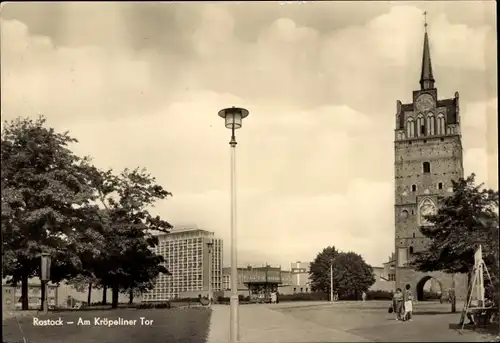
(187, 258)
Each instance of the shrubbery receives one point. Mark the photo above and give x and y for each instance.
(314, 296)
(431, 295)
(319, 296)
(154, 305)
(186, 300)
(227, 300)
(379, 295)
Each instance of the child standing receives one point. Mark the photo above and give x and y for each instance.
(408, 303)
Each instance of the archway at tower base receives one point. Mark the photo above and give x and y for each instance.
(429, 288)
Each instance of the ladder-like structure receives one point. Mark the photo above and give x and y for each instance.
(480, 270)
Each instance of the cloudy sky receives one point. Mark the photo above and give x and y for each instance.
(141, 85)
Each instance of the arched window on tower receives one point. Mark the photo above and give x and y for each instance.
(411, 250)
(441, 124)
(430, 124)
(420, 125)
(410, 128)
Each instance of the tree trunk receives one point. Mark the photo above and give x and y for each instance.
(131, 297)
(453, 297)
(114, 297)
(104, 295)
(24, 293)
(89, 295)
(42, 294)
(453, 303)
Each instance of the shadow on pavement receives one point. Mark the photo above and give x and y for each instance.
(432, 313)
(491, 329)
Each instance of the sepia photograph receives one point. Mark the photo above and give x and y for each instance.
(249, 172)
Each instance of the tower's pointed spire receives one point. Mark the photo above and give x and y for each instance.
(426, 76)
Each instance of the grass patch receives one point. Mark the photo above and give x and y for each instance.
(186, 325)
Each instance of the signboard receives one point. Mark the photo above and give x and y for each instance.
(478, 264)
(45, 268)
(261, 275)
(274, 276)
(478, 256)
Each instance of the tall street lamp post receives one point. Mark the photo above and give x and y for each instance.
(210, 246)
(331, 281)
(44, 278)
(233, 118)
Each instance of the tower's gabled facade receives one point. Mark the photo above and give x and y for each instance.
(428, 155)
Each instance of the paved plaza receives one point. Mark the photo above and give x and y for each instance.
(340, 322)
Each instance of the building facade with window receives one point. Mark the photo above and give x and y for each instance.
(187, 258)
(295, 280)
(11, 295)
(300, 281)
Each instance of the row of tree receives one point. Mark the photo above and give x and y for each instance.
(95, 224)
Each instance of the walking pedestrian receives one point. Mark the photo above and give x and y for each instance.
(408, 303)
(397, 303)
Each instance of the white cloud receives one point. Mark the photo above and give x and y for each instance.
(315, 156)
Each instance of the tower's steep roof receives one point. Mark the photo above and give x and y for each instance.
(426, 75)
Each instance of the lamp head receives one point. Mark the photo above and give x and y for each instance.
(233, 116)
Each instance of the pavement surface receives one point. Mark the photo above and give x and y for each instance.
(261, 323)
(341, 322)
(189, 325)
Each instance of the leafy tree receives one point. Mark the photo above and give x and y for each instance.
(319, 270)
(142, 268)
(128, 263)
(45, 198)
(84, 283)
(466, 219)
(351, 275)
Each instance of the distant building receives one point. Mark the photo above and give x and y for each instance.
(253, 281)
(80, 296)
(300, 281)
(385, 277)
(295, 280)
(11, 295)
(57, 295)
(185, 251)
(390, 268)
(381, 282)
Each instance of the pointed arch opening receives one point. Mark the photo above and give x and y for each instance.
(441, 124)
(431, 124)
(410, 128)
(420, 125)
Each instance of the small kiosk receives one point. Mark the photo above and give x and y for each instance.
(262, 281)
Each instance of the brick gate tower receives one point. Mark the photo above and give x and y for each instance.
(428, 155)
